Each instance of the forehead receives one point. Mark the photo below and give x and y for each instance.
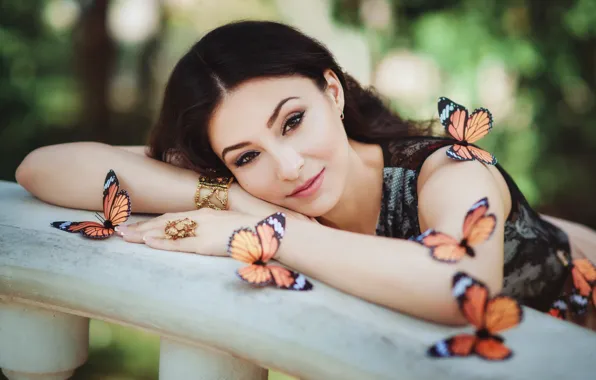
(253, 102)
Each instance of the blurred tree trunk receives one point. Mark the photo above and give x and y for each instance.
(94, 57)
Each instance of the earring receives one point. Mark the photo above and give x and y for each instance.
(342, 115)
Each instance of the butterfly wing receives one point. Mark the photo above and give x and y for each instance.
(478, 125)
(120, 209)
(270, 232)
(578, 303)
(443, 247)
(91, 230)
(581, 283)
(244, 245)
(559, 308)
(585, 267)
(460, 152)
(75, 227)
(255, 274)
(472, 296)
(474, 214)
(111, 186)
(492, 348)
(459, 345)
(502, 313)
(482, 155)
(454, 118)
(286, 279)
(97, 232)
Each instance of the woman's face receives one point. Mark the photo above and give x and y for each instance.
(284, 141)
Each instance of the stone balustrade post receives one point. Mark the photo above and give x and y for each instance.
(181, 361)
(41, 344)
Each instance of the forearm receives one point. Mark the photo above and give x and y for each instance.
(581, 238)
(72, 175)
(396, 273)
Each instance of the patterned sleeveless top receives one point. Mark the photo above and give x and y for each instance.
(533, 273)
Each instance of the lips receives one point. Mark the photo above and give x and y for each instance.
(307, 185)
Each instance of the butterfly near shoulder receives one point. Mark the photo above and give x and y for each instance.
(116, 210)
(478, 227)
(256, 248)
(488, 315)
(466, 129)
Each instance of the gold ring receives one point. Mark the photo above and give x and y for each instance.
(180, 228)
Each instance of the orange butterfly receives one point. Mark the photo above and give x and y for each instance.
(116, 210)
(258, 248)
(466, 130)
(478, 227)
(584, 285)
(489, 316)
(583, 274)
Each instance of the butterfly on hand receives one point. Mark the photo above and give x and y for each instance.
(489, 316)
(466, 130)
(116, 210)
(257, 248)
(477, 228)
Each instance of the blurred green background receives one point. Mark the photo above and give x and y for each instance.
(95, 70)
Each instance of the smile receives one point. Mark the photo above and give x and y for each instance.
(309, 187)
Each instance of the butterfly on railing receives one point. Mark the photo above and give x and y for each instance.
(489, 316)
(256, 249)
(116, 210)
(583, 292)
(466, 130)
(478, 227)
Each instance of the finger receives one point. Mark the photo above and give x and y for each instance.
(154, 234)
(181, 245)
(134, 236)
(157, 222)
(160, 221)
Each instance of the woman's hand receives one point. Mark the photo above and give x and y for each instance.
(213, 231)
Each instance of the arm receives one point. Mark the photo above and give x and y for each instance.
(72, 175)
(398, 273)
(581, 238)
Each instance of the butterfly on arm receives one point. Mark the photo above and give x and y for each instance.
(488, 315)
(116, 210)
(466, 130)
(478, 227)
(257, 248)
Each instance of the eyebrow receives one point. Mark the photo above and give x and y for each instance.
(270, 123)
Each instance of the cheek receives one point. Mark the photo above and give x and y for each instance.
(327, 140)
(259, 181)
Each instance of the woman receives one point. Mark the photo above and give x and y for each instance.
(263, 103)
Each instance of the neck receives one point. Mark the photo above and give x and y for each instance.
(359, 206)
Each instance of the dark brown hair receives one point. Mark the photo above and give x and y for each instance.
(234, 53)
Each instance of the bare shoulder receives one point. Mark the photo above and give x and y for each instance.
(456, 185)
(137, 149)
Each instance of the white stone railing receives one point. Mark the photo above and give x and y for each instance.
(213, 326)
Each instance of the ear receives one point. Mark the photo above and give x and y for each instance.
(334, 90)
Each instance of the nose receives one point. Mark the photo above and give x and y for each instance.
(289, 164)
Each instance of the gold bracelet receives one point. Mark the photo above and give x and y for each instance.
(217, 188)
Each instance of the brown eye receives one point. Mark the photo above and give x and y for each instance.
(246, 158)
(293, 122)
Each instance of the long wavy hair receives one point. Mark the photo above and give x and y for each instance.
(237, 52)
